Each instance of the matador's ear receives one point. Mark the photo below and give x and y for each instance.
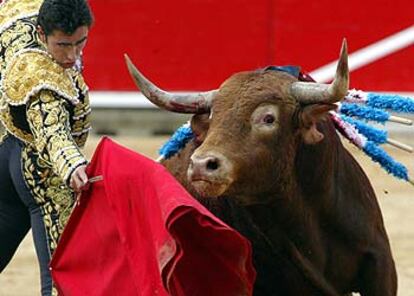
(41, 33)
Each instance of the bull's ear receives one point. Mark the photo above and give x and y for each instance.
(309, 117)
(200, 124)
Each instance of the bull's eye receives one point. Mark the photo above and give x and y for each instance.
(265, 119)
(268, 119)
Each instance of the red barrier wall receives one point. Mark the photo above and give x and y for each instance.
(197, 44)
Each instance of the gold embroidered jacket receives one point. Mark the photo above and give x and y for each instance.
(41, 103)
(45, 106)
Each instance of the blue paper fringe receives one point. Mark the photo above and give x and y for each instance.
(373, 134)
(393, 167)
(365, 112)
(177, 141)
(393, 102)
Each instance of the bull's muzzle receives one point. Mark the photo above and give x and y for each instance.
(210, 174)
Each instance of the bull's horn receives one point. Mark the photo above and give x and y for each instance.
(181, 103)
(310, 93)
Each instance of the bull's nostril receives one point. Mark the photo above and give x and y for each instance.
(212, 165)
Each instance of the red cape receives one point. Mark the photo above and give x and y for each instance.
(138, 232)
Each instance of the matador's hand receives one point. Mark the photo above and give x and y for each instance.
(79, 178)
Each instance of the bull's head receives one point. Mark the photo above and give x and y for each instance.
(249, 128)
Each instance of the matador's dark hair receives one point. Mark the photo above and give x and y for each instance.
(64, 15)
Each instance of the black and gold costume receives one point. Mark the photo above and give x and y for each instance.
(45, 111)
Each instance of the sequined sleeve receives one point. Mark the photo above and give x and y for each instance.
(49, 123)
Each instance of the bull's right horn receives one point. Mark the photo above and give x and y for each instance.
(181, 103)
(311, 93)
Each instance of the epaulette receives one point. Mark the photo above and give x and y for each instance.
(31, 71)
(13, 10)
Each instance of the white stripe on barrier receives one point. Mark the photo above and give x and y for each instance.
(121, 99)
(368, 54)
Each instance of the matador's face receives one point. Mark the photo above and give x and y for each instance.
(64, 48)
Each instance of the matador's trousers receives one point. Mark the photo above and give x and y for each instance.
(19, 212)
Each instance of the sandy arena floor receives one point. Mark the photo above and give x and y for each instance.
(396, 199)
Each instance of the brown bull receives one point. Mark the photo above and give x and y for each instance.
(285, 181)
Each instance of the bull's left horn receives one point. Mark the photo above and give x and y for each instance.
(181, 103)
(310, 93)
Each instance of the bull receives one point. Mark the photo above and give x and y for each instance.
(268, 161)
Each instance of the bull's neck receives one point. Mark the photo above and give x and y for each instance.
(309, 186)
(315, 165)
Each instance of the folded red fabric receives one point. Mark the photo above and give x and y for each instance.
(138, 232)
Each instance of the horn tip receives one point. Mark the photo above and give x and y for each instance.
(343, 59)
(130, 65)
(344, 48)
(126, 57)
